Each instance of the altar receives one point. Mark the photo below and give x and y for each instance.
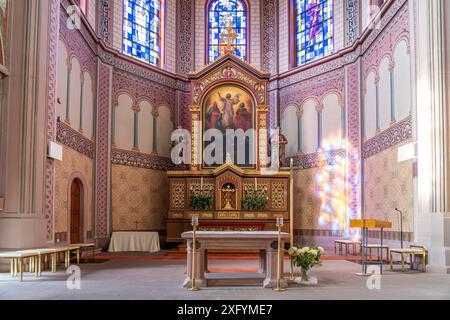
(229, 188)
(266, 242)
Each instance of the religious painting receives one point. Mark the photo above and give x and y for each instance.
(230, 107)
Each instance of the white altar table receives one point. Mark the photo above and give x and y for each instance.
(264, 241)
(129, 241)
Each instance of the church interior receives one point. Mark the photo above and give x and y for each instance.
(224, 149)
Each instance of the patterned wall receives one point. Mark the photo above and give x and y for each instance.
(139, 195)
(389, 184)
(73, 162)
(308, 205)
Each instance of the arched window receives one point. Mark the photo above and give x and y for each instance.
(142, 30)
(220, 14)
(314, 29)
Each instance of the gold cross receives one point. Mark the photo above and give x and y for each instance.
(227, 38)
(136, 222)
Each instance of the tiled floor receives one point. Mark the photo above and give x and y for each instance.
(162, 279)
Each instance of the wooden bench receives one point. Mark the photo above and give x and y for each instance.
(412, 251)
(18, 258)
(346, 244)
(84, 246)
(379, 247)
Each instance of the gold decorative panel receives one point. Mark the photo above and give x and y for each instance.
(279, 195)
(178, 194)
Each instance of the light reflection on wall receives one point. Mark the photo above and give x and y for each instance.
(333, 190)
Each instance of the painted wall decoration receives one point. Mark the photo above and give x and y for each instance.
(140, 198)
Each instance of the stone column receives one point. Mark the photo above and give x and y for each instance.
(81, 101)
(155, 115)
(432, 219)
(69, 72)
(377, 102)
(392, 85)
(319, 110)
(299, 130)
(28, 123)
(136, 110)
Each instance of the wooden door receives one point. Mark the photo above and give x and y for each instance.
(75, 211)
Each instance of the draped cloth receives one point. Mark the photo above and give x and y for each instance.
(124, 241)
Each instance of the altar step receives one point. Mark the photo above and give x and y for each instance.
(234, 279)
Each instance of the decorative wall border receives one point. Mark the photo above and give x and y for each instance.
(51, 125)
(392, 136)
(269, 36)
(142, 160)
(103, 147)
(185, 60)
(316, 160)
(74, 140)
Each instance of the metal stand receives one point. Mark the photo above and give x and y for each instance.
(365, 243)
(194, 225)
(279, 256)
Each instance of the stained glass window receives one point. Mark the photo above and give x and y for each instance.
(314, 29)
(142, 30)
(222, 13)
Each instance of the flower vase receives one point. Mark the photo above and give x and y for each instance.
(306, 279)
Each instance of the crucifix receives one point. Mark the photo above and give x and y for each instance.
(227, 38)
(136, 222)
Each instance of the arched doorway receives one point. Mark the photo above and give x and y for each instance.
(76, 213)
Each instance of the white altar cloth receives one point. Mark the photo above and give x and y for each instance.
(128, 241)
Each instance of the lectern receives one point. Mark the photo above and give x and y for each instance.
(365, 225)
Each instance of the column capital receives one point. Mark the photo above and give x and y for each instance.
(262, 108)
(300, 113)
(392, 65)
(319, 107)
(136, 108)
(69, 64)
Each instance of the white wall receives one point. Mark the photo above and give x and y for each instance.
(165, 127)
(289, 127)
(145, 127)
(385, 94)
(61, 86)
(124, 124)
(309, 127)
(370, 107)
(75, 89)
(402, 81)
(88, 106)
(331, 122)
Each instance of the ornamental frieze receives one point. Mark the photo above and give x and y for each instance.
(316, 160)
(74, 140)
(396, 134)
(142, 160)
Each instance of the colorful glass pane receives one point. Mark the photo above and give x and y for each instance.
(235, 13)
(142, 30)
(314, 29)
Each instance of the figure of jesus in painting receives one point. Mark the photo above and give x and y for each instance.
(227, 110)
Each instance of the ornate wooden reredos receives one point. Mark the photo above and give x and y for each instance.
(228, 184)
(230, 71)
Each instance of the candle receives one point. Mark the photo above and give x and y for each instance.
(280, 221)
(201, 183)
(194, 220)
(256, 184)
